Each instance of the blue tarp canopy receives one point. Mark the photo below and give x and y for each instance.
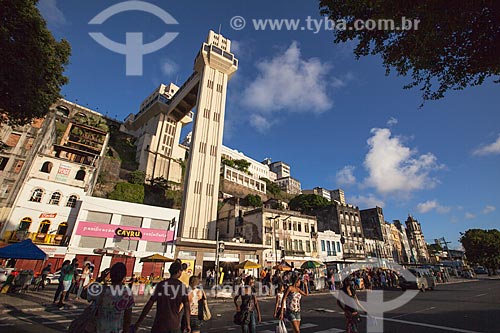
(23, 250)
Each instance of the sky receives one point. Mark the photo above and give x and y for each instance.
(299, 98)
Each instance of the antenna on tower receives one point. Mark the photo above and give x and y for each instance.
(219, 28)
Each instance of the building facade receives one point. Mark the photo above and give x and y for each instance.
(319, 191)
(416, 240)
(344, 219)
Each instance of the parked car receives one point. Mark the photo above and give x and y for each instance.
(4, 272)
(54, 277)
(480, 270)
(423, 280)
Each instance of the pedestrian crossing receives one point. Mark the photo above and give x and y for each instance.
(303, 327)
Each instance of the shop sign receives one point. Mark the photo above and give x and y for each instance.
(102, 230)
(128, 233)
(48, 215)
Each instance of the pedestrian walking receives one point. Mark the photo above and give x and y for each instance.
(168, 296)
(279, 306)
(292, 298)
(60, 286)
(84, 280)
(195, 295)
(68, 276)
(114, 307)
(249, 306)
(45, 272)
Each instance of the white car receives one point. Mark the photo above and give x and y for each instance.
(4, 272)
(53, 278)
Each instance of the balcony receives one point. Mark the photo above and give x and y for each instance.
(37, 238)
(314, 235)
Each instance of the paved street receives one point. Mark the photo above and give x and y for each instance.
(472, 306)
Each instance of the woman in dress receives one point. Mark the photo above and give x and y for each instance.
(248, 305)
(84, 280)
(292, 298)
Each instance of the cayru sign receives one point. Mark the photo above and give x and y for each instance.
(128, 233)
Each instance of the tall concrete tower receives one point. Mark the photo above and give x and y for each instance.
(214, 65)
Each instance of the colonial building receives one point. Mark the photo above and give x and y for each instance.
(417, 241)
(63, 170)
(374, 227)
(282, 234)
(330, 249)
(18, 147)
(344, 219)
(406, 250)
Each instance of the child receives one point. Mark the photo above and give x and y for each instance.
(280, 292)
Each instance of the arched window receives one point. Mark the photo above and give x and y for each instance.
(25, 224)
(37, 195)
(56, 197)
(44, 227)
(71, 201)
(46, 167)
(80, 175)
(62, 228)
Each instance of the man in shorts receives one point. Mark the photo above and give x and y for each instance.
(68, 276)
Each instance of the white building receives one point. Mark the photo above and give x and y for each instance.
(157, 129)
(290, 235)
(319, 191)
(330, 248)
(98, 226)
(289, 185)
(256, 169)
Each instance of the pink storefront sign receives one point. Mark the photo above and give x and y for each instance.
(100, 230)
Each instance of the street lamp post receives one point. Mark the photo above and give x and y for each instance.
(342, 241)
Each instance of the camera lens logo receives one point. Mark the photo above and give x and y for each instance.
(134, 49)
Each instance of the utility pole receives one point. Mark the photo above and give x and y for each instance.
(445, 247)
(216, 262)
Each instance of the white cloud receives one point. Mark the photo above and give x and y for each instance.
(169, 67)
(493, 148)
(368, 201)
(289, 82)
(235, 47)
(394, 168)
(488, 209)
(260, 123)
(345, 176)
(469, 216)
(50, 12)
(392, 121)
(430, 205)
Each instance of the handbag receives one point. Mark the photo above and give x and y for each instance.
(203, 310)
(281, 327)
(240, 318)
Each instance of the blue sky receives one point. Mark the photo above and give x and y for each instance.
(297, 97)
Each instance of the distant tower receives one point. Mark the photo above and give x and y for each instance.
(214, 65)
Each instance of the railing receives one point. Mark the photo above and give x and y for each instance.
(38, 238)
